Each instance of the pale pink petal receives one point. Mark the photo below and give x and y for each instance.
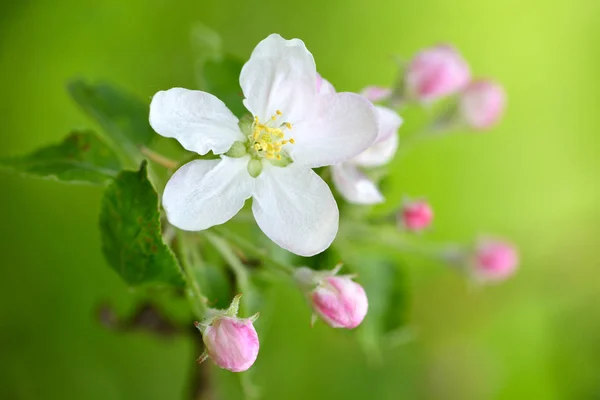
(294, 207)
(280, 75)
(355, 186)
(204, 193)
(344, 126)
(198, 120)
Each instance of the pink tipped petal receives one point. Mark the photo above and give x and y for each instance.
(379, 154)
(482, 104)
(204, 193)
(376, 93)
(280, 75)
(388, 123)
(294, 207)
(355, 186)
(344, 125)
(323, 85)
(495, 260)
(198, 120)
(340, 302)
(232, 343)
(416, 216)
(437, 72)
(386, 144)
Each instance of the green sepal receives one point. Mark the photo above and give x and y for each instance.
(255, 167)
(237, 150)
(284, 162)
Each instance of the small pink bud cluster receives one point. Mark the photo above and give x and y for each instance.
(337, 300)
(231, 342)
(494, 260)
(482, 104)
(415, 216)
(435, 73)
(440, 71)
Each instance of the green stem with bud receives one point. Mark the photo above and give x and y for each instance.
(188, 257)
(255, 251)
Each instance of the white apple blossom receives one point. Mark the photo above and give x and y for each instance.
(294, 129)
(349, 180)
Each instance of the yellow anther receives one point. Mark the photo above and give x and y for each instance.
(266, 140)
(292, 141)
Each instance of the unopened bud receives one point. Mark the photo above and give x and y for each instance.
(494, 260)
(337, 300)
(231, 342)
(415, 215)
(436, 72)
(482, 104)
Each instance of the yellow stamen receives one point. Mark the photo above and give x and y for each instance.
(292, 141)
(266, 140)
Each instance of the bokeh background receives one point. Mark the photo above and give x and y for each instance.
(534, 179)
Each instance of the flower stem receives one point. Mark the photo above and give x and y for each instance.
(193, 292)
(231, 258)
(389, 236)
(254, 250)
(158, 158)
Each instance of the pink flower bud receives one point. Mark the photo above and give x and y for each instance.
(340, 302)
(232, 343)
(376, 93)
(415, 215)
(482, 104)
(337, 300)
(436, 72)
(494, 260)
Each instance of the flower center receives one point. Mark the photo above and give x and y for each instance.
(267, 139)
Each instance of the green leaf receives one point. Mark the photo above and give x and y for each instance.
(80, 158)
(123, 117)
(222, 79)
(131, 232)
(217, 73)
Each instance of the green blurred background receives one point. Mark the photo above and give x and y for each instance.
(534, 179)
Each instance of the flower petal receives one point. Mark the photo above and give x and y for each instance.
(388, 123)
(343, 127)
(280, 75)
(355, 186)
(324, 86)
(198, 120)
(294, 207)
(204, 193)
(376, 93)
(379, 154)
